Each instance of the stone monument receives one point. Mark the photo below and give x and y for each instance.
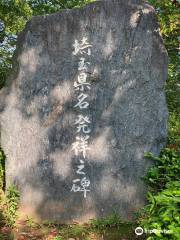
(85, 101)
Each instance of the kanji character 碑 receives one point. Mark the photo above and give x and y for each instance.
(83, 188)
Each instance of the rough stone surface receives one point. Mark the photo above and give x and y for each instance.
(127, 72)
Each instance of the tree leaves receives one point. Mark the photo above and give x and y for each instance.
(13, 16)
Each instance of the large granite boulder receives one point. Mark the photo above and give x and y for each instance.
(83, 104)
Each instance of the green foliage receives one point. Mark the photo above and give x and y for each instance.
(113, 220)
(168, 16)
(112, 227)
(57, 238)
(163, 213)
(166, 169)
(163, 209)
(41, 7)
(11, 204)
(30, 222)
(174, 131)
(74, 231)
(2, 169)
(173, 84)
(13, 16)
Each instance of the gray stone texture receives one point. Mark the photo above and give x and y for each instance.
(127, 109)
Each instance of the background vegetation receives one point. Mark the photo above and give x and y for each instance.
(162, 210)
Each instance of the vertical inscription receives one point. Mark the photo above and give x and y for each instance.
(82, 122)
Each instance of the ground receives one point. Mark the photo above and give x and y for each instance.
(28, 230)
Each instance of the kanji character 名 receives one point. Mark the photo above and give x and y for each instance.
(81, 103)
(81, 145)
(83, 47)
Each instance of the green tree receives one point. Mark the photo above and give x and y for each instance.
(162, 210)
(169, 17)
(13, 16)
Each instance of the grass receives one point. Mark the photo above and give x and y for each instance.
(110, 228)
